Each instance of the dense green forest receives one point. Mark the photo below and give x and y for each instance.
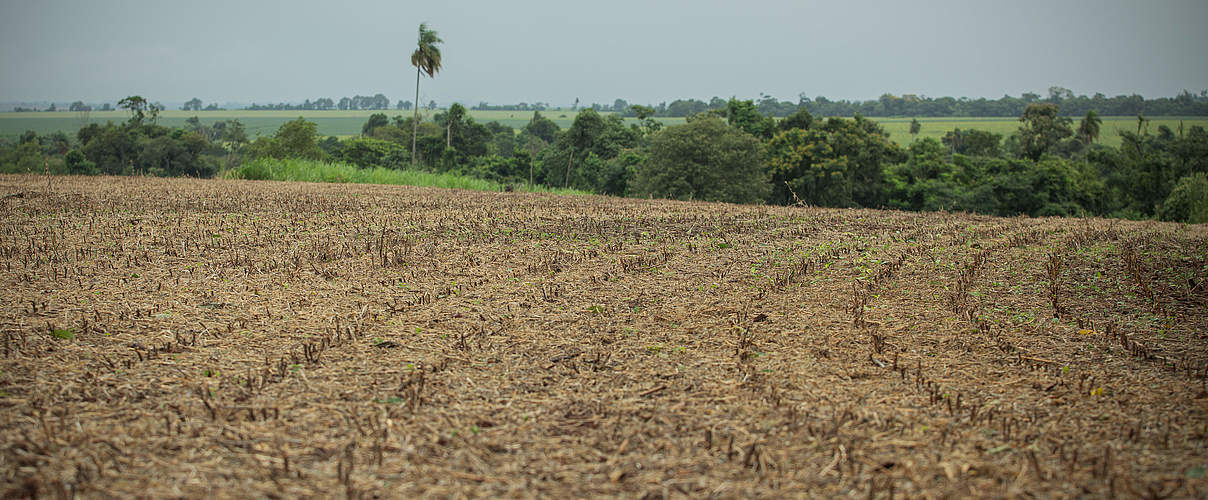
(1052, 165)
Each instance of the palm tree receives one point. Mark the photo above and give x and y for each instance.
(426, 59)
(1088, 130)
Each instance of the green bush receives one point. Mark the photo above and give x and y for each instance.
(704, 159)
(1188, 202)
(366, 152)
(77, 164)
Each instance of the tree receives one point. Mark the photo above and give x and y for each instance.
(972, 142)
(801, 119)
(235, 135)
(193, 104)
(582, 133)
(379, 101)
(77, 164)
(835, 163)
(375, 120)
(1059, 94)
(426, 59)
(367, 152)
(298, 139)
(703, 159)
(1088, 129)
(1042, 129)
(453, 118)
(193, 123)
(137, 106)
(915, 127)
(542, 128)
(295, 139)
(1188, 202)
(581, 156)
(745, 116)
(925, 181)
(645, 115)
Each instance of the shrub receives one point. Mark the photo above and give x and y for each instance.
(1188, 202)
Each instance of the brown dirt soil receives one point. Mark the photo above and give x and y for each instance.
(186, 338)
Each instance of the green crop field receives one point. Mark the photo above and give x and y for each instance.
(1109, 130)
(348, 123)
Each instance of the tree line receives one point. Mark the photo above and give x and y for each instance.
(911, 105)
(887, 105)
(1051, 166)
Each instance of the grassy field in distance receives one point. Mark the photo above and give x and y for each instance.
(348, 123)
(334, 122)
(1109, 130)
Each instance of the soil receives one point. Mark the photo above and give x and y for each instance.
(205, 338)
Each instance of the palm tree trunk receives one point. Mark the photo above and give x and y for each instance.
(449, 134)
(566, 184)
(415, 120)
(532, 153)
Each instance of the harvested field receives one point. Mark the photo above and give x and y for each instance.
(170, 338)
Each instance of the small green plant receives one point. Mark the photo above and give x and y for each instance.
(1195, 472)
(63, 333)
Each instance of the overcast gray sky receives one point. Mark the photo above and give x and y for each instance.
(556, 51)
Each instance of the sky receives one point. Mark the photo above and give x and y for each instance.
(643, 51)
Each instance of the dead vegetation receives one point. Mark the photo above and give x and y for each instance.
(214, 338)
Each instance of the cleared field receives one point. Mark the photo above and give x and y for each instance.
(349, 123)
(174, 337)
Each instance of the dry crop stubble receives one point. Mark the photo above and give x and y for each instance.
(228, 338)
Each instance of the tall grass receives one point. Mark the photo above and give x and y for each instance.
(318, 171)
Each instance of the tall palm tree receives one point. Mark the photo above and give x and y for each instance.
(426, 59)
(1089, 128)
